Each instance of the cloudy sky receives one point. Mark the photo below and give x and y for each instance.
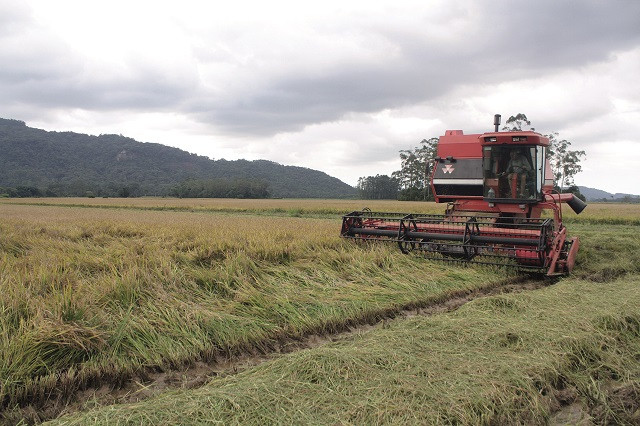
(335, 86)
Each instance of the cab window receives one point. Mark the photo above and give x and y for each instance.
(513, 172)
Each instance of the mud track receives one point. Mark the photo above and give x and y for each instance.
(74, 397)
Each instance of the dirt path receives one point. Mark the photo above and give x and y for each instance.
(152, 382)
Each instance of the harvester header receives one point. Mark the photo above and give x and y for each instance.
(497, 185)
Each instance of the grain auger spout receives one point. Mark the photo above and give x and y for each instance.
(496, 185)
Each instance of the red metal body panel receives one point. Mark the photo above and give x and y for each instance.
(532, 138)
(455, 229)
(454, 143)
(458, 145)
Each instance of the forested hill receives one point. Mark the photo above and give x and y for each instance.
(67, 163)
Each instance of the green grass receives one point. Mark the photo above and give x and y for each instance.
(500, 360)
(606, 251)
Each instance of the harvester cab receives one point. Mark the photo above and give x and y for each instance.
(512, 172)
(497, 186)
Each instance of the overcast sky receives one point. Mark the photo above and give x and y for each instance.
(335, 86)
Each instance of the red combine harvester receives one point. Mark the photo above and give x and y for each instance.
(496, 186)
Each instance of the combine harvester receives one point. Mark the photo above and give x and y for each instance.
(496, 186)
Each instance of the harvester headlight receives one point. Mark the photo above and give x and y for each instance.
(490, 139)
(519, 138)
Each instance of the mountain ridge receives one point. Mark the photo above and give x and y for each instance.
(70, 163)
(593, 194)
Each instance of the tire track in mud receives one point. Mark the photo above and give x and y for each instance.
(154, 380)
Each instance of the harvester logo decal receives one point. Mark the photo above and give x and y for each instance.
(448, 168)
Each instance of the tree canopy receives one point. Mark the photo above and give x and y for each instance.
(564, 161)
(415, 170)
(378, 187)
(516, 122)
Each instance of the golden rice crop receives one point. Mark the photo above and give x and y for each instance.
(291, 207)
(597, 213)
(88, 292)
(605, 213)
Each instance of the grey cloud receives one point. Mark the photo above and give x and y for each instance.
(291, 103)
(13, 16)
(40, 70)
(501, 41)
(59, 80)
(510, 41)
(363, 154)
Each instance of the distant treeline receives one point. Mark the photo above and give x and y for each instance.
(211, 188)
(633, 199)
(222, 188)
(75, 189)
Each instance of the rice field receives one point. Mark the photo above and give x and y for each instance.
(97, 290)
(281, 207)
(596, 213)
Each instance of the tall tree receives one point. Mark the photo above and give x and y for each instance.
(415, 170)
(564, 161)
(516, 122)
(378, 187)
(409, 174)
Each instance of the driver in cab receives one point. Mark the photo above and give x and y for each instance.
(518, 169)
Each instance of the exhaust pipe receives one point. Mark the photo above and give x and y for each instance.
(576, 204)
(496, 121)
